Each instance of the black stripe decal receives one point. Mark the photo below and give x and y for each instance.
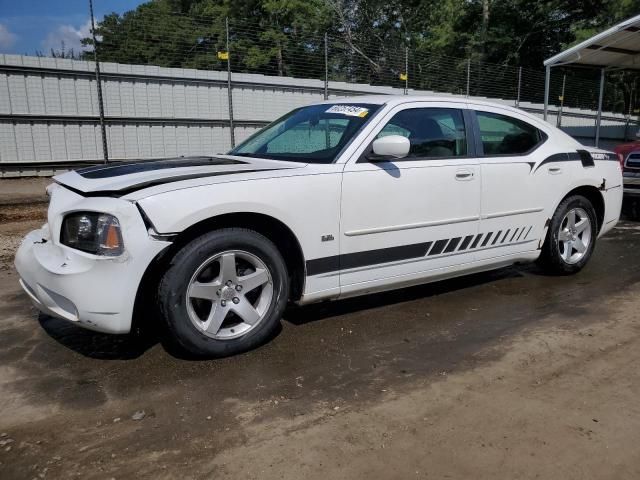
(118, 169)
(452, 245)
(405, 252)
(521, 232)
(514, 234)
(586, 158)
(366, 258)
(465, 242)
(579, 155)
(487, 238)
(438, 247)
(525, 237)
(153, 183)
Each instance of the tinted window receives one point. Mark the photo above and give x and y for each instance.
(314, 134)
(432, 132)
(502, 135)
(309, 137)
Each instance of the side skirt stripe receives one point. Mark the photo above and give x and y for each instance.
(414, 251)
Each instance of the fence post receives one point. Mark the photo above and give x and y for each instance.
(326, 67)
(519, 86)
(468, 74)
(547, 81)
(229, 91)
(103, 128)
(599, 117)
(406, 70)
(559, 119)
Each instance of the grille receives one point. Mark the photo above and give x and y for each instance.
(633, 160)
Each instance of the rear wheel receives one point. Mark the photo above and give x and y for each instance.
(571, 237)
(224, 292)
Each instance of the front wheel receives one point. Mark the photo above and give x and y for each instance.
(224, 292)
(571, 237)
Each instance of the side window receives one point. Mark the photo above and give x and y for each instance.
(503, 135)
(307, 137)
(432, 132)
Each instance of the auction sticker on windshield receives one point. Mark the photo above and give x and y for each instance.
(349, 110)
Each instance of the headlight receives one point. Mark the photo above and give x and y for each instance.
(92, 232)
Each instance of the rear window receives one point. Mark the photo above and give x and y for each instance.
(504, 135)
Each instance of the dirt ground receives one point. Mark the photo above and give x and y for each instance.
(508, 374)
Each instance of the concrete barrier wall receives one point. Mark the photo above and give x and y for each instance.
(49, 109)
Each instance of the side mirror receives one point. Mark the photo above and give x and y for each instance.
(391, 146)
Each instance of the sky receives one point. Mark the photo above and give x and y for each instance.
(27, 26)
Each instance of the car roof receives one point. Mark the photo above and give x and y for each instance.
(393, 100)
(399, 99)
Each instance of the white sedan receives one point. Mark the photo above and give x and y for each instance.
(332, 200)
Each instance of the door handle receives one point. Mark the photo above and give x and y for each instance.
(464, 175)
(555, 170)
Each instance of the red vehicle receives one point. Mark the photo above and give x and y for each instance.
(629, 155)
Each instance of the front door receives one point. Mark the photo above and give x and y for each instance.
(406, 219)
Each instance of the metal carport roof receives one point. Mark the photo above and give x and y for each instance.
(615, 48)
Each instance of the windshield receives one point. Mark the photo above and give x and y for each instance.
(314, 134)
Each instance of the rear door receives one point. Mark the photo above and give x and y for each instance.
(401, 219)
(514, 189)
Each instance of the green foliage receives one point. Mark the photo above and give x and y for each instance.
(367, 38)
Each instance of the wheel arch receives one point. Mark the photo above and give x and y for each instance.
(275, 230)
(594, 195)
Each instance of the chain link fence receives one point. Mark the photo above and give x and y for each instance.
(212, 43)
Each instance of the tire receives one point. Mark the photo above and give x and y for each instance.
(567, 249)
(211, 298)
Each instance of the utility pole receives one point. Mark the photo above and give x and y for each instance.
(103, 128)
(229, 91)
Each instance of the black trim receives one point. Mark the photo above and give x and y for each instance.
(126, 168)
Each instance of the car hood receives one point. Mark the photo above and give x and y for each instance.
(122, 178)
